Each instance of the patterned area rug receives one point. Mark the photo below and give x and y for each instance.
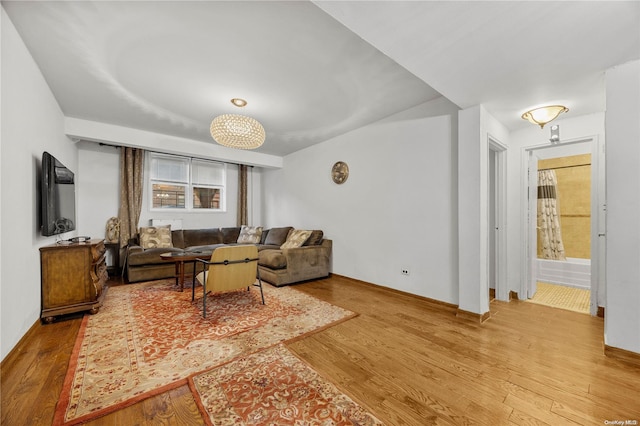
(563, 297)
(148, 338)
(273, 387)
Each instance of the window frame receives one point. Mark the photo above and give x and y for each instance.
(188, 184)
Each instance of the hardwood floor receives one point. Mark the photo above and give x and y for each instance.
(411, 362)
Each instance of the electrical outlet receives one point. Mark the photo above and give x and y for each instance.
(405, 271)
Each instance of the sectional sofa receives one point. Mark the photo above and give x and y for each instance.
(286, 255)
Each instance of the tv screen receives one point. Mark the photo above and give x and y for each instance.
(58, 197)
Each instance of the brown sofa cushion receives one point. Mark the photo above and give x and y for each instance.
(277, 236)
(315, 239)
(177, 238)
(150, 256)
(230, 235)
(207, 247)
(273, 259)
(202, 237)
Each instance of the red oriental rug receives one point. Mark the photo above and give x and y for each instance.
(273, 387)
(149, 338)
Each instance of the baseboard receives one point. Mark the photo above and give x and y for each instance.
(478, 318)
(446, 305)
(472, 316)
(13, 353)
(622, 355)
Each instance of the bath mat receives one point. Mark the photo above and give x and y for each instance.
(558, 296)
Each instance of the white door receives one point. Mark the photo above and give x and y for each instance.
(497, 213)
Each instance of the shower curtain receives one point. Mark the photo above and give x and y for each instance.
(549, 217)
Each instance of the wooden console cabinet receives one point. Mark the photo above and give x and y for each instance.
(73, 277)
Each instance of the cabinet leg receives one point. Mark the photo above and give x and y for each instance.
(94, 311)
(48, 320)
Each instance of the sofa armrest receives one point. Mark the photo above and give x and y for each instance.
(134, 249)
(306, 256)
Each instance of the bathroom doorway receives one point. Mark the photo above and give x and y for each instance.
(566, 259)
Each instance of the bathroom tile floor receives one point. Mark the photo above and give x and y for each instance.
(558, 296)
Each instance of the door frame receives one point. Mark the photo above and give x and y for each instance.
(499, 150)
(529, 207)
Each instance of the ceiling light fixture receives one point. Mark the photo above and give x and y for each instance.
(543, 115)
(237, 131)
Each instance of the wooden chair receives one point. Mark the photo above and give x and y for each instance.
(230, 268)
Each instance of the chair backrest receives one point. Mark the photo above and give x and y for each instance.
(232, 276)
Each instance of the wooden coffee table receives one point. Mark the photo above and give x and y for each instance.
(180, 259)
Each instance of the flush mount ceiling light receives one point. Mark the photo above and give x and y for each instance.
(237, 131)
(543, 115)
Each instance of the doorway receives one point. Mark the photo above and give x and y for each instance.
(496, 205)
(536, 268)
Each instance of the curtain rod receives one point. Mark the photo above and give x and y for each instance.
(177, 155)
(565, 167)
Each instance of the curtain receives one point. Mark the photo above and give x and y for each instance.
(548, 216)
(207, 197)
(131, 182)
(243, 214)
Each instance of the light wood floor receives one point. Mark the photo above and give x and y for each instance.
(409, 361)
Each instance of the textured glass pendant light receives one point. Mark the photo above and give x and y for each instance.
(237, 131)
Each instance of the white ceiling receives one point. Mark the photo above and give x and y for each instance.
(507, 55)
(306, 69)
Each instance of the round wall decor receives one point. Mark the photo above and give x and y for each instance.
(340, 172)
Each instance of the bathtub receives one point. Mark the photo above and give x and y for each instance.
(573, 272)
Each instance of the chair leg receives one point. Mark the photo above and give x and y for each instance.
(193, 289)
(260, 285)
(204, 294)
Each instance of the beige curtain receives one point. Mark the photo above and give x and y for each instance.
(131, 182)
(243, 214)
(549, 216)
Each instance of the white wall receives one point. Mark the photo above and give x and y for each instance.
(476, 127)
(97, 188)
(622, 314)
(396, 210)
(32, 122)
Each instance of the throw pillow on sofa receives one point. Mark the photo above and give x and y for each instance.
(250, 235)
(155, 237)
(296, 238)
(315, 239)
(277, 236)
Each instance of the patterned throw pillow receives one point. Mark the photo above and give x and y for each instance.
(155, 237)
(296, 238)
(250, 234)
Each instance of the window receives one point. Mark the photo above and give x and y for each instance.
(186, 183)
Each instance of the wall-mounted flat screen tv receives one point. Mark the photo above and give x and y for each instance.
(58, 197)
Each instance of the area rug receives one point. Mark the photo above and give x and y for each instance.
(563, 297)
(273, 387)
(149, 338)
